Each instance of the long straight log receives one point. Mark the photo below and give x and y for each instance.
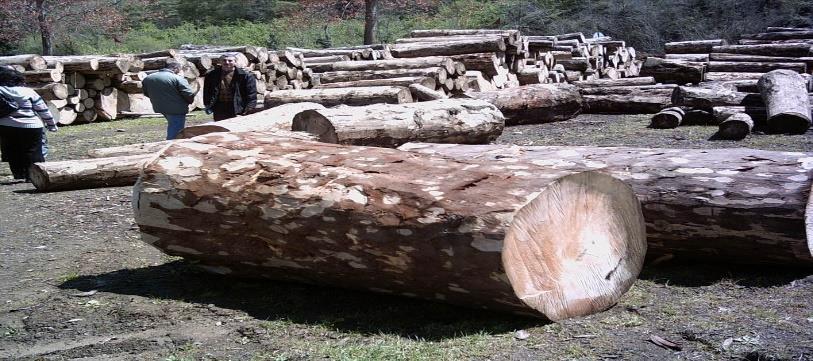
(786, 100)
(42, 76)
(51, 91)
(347, 96)
(416, 50)
(781, 35)
(693, 47)
(408, 63)
(405, 228)
(487, 63)
(775, 42)
(447, 38)
(731, 76)
(423, 93)
(536, 103)
(71, 64)
(797, 50)
(428, 82)
(688, 57)
(465, 121)
(754, 67)
(277, 118)
(87, 173)
(706, 204)
(758, 58)
(635, 81)
(345, 76)
(28, 61)
(708, 98)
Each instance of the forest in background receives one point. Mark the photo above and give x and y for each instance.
(125, 26)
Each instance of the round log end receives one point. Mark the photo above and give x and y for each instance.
(666, 119)
(312, 122)
(577, 247)
(197, 130)
(39, 177)
(792, 123)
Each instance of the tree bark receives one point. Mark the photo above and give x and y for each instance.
(532, 104)
(735, 127)
(706, 204)
(781, 35)
(483, 237)
(128, 150)
(730, 76)
(277, 119)
(466, 121)
(786, 101)
(700, 58)
(643, 99)
(338, 96)
(51, 91)
(693, 47)
(673, 71)
(370, 21)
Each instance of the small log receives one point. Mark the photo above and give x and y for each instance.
(28, 61)
(673, 71)
(42, 76)
(67, 116)
(693, 47)
(87, 173)
(735, 127)
(131, 86)
(537, 103)
(786, 100)
(424, 93)
(487, 63)
(465, 121)
(51, 91)
(347, 96)
(698, 203)
(274, 119)
(667, 118)
(494, 225)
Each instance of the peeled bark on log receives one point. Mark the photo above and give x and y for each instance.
(87, 173)
(537, 103)
(417, 50)
(701, 58)
(423, 93)
(347, 96)
(668, 118)
(673, 71)
(754, 67)
(408, 63)
(277, 118)
(29, 61)
(722, 205)
(693, 47)
(106, 104)
(346, 76)
(735, 127)
(795, 50)
(401, 81)
(636, 81)
(51, 91)
(786, 101)
(482, 220)
(466, 121)
(708, 98)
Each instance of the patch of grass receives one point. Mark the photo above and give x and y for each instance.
(72, 276)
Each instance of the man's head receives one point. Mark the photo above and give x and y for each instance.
(228, 62)
(174, 66)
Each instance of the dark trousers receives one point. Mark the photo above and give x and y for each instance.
(21, 147)
(223, 111)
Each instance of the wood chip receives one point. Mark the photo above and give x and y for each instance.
(662, 342)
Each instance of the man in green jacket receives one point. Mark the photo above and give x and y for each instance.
(170, 95)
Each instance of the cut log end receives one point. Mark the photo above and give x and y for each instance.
(39, 178)
(314, 123)
(791, 123)
(589, 259)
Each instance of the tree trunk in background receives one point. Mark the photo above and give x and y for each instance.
(370, 21)
(45, 31)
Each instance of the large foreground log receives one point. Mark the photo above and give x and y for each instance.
(277, 118)
(786, 100)
(480, 234)
(347, 96)
(87, 173)
(465, 121)
(721, 205)
(536, 103)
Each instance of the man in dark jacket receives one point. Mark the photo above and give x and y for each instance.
(229, 91)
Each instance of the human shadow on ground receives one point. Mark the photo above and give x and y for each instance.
(340, 309)
(689, 273)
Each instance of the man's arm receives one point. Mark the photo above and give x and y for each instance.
(186, 91)
(208, 90)
(251, 94)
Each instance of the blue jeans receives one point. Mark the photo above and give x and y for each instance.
(175, 123)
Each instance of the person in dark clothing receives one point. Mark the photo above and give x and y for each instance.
(229, 91)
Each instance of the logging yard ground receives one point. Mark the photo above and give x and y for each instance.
(77, 282)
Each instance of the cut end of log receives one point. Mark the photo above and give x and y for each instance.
(312, 122)
(197, 130)
(792, 123)
(577, 247)
(39, 178)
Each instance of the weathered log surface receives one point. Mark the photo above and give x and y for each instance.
(277, 118)
(346, 76)
(644, 99)
(424, 93)
(394, 222)
(28, 61)
(786, 101)
(722, 205)
(87, 173)
(536, 103)
(673, 71)
(465, 121)
(731, 76)
(347, 96)
(688, 57)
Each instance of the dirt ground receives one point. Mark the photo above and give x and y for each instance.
(77, 283)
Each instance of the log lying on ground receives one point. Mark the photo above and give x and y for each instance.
(668, 118)
(417, 50)
(417, 225)
(279, 118)
(673, 71)
(786, 101)
(465, 121)
(645, 99)
(795, 50)
(731, 76)
(347, 76)
(28, 61)
(758, 58)
(347, 96)
(87, 173)
(536, 103)
(401, 81)
(722, 205)
(735, 127)
(753, 67)
(409, 63)
(647, 80)
(423, 93)
(693, 47)
(708, 98)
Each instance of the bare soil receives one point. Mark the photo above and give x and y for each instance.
(77, 283)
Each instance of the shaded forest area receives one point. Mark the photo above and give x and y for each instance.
(110, 26)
